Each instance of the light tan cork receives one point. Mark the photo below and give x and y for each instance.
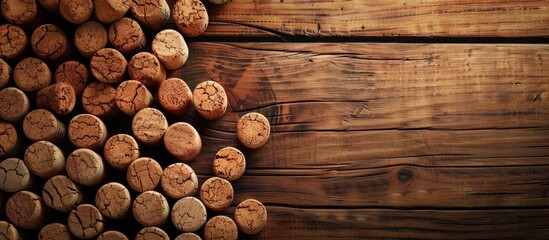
(14, 104)
(188, 236)
(55, 231)
(216, 194)
(14, 41)
(52, 6)
(62, 194)
(126, 35)
(182, 141)
(41, 124)
(175, 96)
(10, 140)
(31, 74)
(253, 130)
(108, 11)
(49, 42)
(152, 233)
(99, 99)
(146, 68)
(86, 167)
(250, 216)
(152, 13)
(220, 227)
(229, 163)
(151, 208)
(74, 73)
(170, 48)
(5, 73)
(189, 214)
(44, 159)
(87, 131)
(86, 222)
(76, 11)
(9, 231)
(14, 175)
(191, 17)
(90, 37)
(59, 98)
(149, 126)
(20, 12)
(112, 235)
(108, 65)
(210, 100)
(120, 151)
(144, 174)
(179, 180)
(132, 96)
(26, 210)
(113, 200)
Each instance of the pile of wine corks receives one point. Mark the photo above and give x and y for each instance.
(93, 142)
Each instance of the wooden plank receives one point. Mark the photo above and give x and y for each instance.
(445, 18)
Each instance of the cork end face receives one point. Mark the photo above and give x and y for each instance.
(250, 216)
(183, 141)
(112, 235)
(61, 193)
(86, 167)
(87, 131)
(13, 45)
(55, 231)
(25, 210)
(108, 65)
(151, 208)
(99, 99)
(41, 124)
(76, 11)
(9, 140)
(14, 175)
(216, 194)
(113, 200)
(32, 74)
(86, 222)
(253, 130)
(120, 151)
(229, 163)
(149, 126)
(132, 96)
(152, 233)
(221, 227)
(189, 214)
(191, 17)
(90, 37)
(44, 159)
(210, 100)
(126, 35)
(170, 48)
(8, 231)
(179, 180)
(19, 12)
(144, 174)
(175, 96)
(49, 42)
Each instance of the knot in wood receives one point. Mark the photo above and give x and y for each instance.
(404, 175)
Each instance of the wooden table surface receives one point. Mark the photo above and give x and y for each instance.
(390, 119)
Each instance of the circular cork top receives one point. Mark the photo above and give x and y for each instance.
(76, 11)
(179, 180)
(108, 65)
(74, 73)
(112, 235)
(216, 194)
(183, 141)
(113, 200)
(60, 98)
(175, 96)
(49, 42)
(144, 174)
(250, 216)
(55, 231)
(9, 140)
(5, 73)
(146, 68)
(13, 41)
(52, 6)
(151, 209)
(132, 96)
(86, 167)
(44, 159)
(170, 48)
(191, 17)
(87, 131)
(189, 214)
(41, 124)
(188, 236)
(120, 151)
(229, 163)
(98, 99)
(31, 74)
(8, 231)
(14, 104)
(61, 193)
(152, 233)
(90, 37)
(153, 14)
(14, 175)
(149, 126)
(25, 210)
(210, 100)
(220, 227)
(253, 130)
(20, 12)
(108, 11)
(86, 222)
(126, 35)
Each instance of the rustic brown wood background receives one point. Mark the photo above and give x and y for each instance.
(440, 130)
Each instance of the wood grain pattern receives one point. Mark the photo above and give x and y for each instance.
(509, 18)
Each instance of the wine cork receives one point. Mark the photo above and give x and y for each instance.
(99, 99)
(5, 73)
(75, 74)
(26, 210)
(14, 104)
(216, 194)
(31, 74)
(132, 96)
(44, 159)
(188, 236)
(144, 174)
(90, 37)
(76, 11)
(175, 96)
(108, 65)
(113, 200)
(20, 12)
(52, 6)
(210, 100)
(152, 233)
(108, 11)
(153, 14)
(229, 163)
(220, 227)
(41, 124)
(86, 222)
(50, 42)
(14, 175)
(191, 17)
(182, 141)
(149, 126)
(112, 235)
(55, 231)
(170, 48)
(250, 216)
(59, 98)
(62, 194)
(10, 141)
(179, 180)
(13, 42)
(253, 130)
(126, 35)
(86, 167)
(146, 68)
(120, 151)
(8, 231)
(151, 208)
(189, 214)
(87, 131)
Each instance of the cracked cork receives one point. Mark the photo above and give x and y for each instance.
(76, 11)
(52, 6)
(60, 98)
(89, 38)
(132, 96)
(13, 42)
(210, 100)
(99, 99)
(191, 17)
(112, 235)
(152, 233)
(44, 159)
(182, 141)
(120, 151)
(220, 227)
(144, 174)
(62, 194)
(151, 208)
(175, 96)
(152, 13)
(55, 231)
(108, 65)
(189, 214)
(20, 12)
(179, 180)
(86, 167)
(229, 163)
(149, 126)
(146, 68)
(25, 210)
(73, 73)
(87, 131)
(14, 175)
(31, 74)
(217, 194)
(86, 222)
(170, 48)
(113, 200)
(253, 130)
(5, 73)
(49, 42)
(8, 231)
(250, 216)
(108, 11)
(188, 236)
(14, 104)
(126, 35)
(41, 124)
